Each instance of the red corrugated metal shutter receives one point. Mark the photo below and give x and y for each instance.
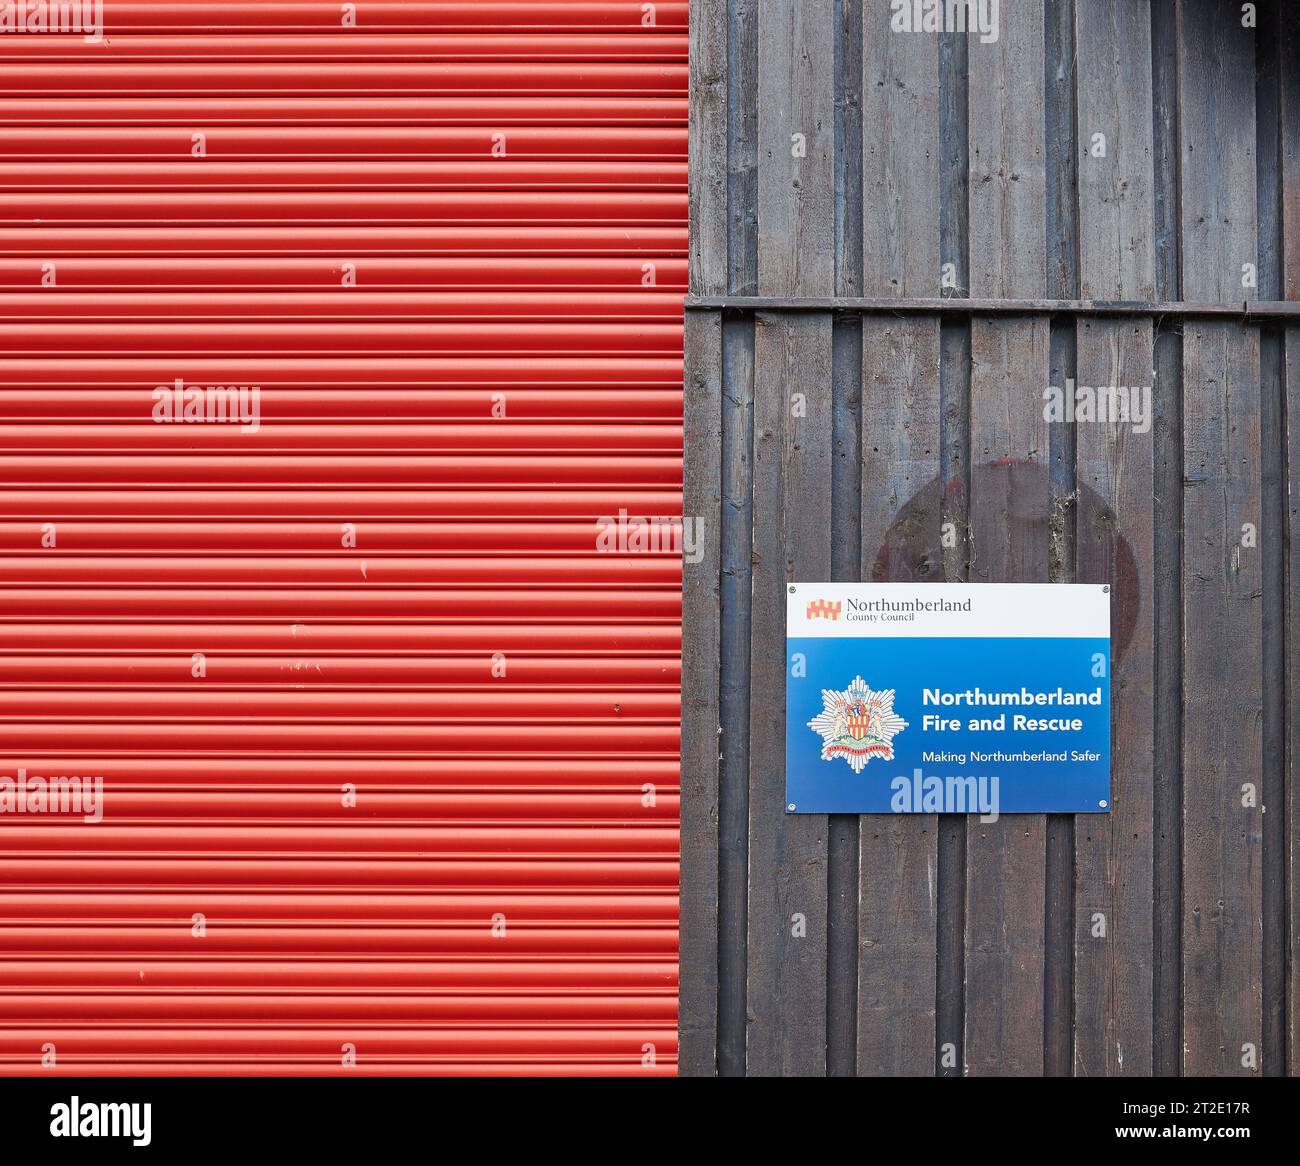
(448, 246)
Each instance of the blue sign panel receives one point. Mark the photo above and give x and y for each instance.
(949, 698)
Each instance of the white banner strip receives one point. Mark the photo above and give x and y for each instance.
(843, 610)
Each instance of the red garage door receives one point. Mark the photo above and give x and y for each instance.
(335, 340)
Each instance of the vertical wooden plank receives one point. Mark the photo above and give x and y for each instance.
(955, 450)
(900, 159)
(954, 554)
(788, 852)
(1116, 190)
(1289, 84)
(1113, 854)
(1114, 929)
(792, 492)
(954, 165)
(701, 582)
(843, 872)
(1222, 686)
(843, 845)
(1292, 657)
(701, 613)
(1006, 859)
(1008, 183)
(1272, 551)
(1009, 502)
(1062, 491)
(707, 195)
(1062, 242)
(1216, 97)
(1222, 738)
(742, 147)
(1166, 590)
(737, 529)
(733, 741)
(849, 43)
(796, 147)
(1061, 162)
(898, 864)
(1289, 88)
(898, 858)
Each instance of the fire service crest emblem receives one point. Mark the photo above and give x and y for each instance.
(857, 724)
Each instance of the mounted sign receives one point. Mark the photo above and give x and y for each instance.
(927, 698)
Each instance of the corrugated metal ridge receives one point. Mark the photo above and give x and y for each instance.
(388, 737)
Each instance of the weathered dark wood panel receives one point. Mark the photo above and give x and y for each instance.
(1222, 743)
(701, 655)
(1222, 676)
(1116, 178)
(1006, 860)
(898, 860)
(898, 863)
(796, 145)
(786, 988)
(1009, 510)
(733, 740)
(708, 147)
(1115, 541)
(787, 902)
(1008, 181)
(1119, 944)
(1166, 583)
(1292, 657)
(1115, 537)
(900, 160)
(1288, 56)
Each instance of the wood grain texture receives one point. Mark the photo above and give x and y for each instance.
(742, 147)
(1222, 686)
(849, 146)
(1288, 50)
(1292, 657)
(1289, 60)
(1009, 506)
(1006, 860)
(1008, 186)
(737, 595)
(701, 612)
(787, 852)
(1115, 540)
(1289, 87)
(1222, 723)
(1216, 117)
(708, 147)
(900, 160)
(1116, 192)
(843, 871)
(796, 147)
(898, 858)
(787, 992)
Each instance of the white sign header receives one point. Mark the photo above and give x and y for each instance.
(840, 610)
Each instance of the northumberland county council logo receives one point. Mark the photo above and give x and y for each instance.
(857, 724)
(824, 609)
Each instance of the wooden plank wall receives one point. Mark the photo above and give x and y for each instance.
(1097, 149)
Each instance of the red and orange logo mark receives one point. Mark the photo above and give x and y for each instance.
(824, 609)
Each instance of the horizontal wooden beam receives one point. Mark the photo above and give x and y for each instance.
(1245, 312)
